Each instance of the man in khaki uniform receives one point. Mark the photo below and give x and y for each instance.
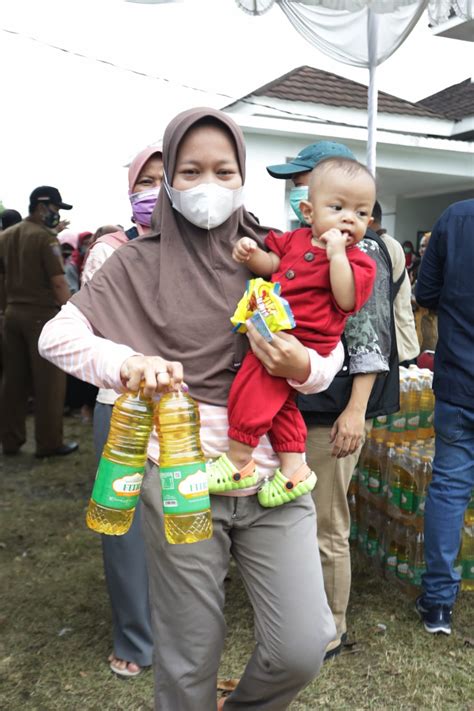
(32, 290)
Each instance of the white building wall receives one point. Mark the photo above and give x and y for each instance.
(265, 196)
(420, 214)
(404, 172)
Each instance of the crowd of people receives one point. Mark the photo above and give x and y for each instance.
(283, 419)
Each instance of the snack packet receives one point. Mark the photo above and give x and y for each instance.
(263, 304)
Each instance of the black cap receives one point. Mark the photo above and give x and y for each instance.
(9, 218)
(46, 194)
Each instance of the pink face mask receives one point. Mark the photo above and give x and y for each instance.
(143, 204)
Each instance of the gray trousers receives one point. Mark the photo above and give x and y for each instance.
(125, 573)
(277, 556)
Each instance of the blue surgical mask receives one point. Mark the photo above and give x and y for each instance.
(297, 194)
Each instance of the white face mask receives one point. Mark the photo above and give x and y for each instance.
(207, 205)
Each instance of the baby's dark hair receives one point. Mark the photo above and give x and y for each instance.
(350, 166)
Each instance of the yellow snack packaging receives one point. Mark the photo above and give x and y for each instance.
(264, 306)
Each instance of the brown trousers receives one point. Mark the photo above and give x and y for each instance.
(25, 372)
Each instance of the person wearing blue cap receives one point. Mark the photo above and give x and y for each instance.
(338, 419)
(299, 169)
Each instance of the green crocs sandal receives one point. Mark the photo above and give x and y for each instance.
(279, 490)
(223, 476)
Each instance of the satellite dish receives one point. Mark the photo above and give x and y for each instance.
(255, 7)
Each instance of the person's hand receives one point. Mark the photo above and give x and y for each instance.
(283, 357)
(156, 374)
(335, 242)
(347, 432)
(244, 249)
(62, 225)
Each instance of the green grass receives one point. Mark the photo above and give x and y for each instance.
(55, 626)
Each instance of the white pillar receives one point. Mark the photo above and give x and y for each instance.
(372, 99)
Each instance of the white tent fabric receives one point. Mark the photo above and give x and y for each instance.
(363, 33)
(340, 28)
(381, 6)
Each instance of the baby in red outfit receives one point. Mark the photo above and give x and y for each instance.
(325, 278)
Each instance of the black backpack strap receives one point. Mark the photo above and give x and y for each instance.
(398, 284)
(370, 234)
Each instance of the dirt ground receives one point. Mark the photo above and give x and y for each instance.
(55, 626)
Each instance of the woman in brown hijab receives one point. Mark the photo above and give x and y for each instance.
(172, 293)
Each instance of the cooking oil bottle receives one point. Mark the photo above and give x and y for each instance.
(403, 551)
(423, 475)
(417, 565)
(412, 412)
(427, 402)
(469, 515)
(397, 427)
(380, 426)
(374, 483)
(184, 488)
(467, 557)
(364, 462)
(120, 473)
(391, 548)
(386, 467)
(397, 468)
(408, 482)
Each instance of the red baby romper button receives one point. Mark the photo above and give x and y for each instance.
(309, 256)
(290, 274)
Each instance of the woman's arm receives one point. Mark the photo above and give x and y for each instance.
(68, 341)
(98, 254)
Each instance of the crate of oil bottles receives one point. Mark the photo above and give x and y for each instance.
(388, 489)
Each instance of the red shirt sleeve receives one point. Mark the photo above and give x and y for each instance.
(364, 270)
(278, 244)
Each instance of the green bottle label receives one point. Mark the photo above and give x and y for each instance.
(391, 562)
(398, 423)
(394, 496)
(412, 421)
(374, 482)
(353, 531)
(402, 569)
(117, 486)
(426, 419)
(406, 500)
(372, 547)
(414, 574)
(467, 570)
(380, 422)
(184, 489)
(419, 501)
(363, 476)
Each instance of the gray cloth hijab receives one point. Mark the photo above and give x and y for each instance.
(171, 293)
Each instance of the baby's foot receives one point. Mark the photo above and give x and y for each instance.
(280, 489)
(222, 475)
